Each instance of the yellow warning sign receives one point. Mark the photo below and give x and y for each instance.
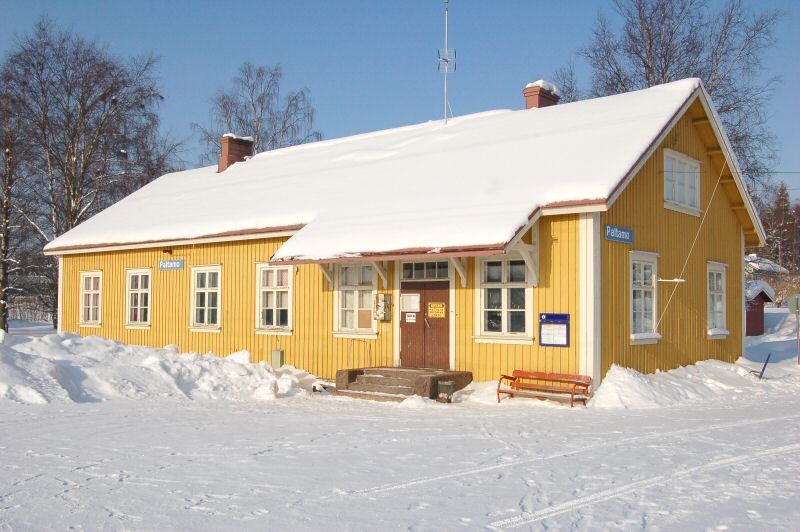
(436, 310)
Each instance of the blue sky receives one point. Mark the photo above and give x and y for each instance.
(369, 64)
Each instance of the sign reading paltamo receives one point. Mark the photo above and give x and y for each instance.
(170, 264)
(619, 234)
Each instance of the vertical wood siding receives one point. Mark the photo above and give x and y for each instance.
(557, 292)
(670, 233)
(312, 346)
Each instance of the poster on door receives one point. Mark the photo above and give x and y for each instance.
(436, 310)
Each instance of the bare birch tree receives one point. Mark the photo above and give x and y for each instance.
(665, 40)
(91, 121)
(255, 106)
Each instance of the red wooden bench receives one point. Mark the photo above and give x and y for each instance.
(545, 386)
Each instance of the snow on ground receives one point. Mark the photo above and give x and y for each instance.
(29, 328)
(712, 461)
(67, 367)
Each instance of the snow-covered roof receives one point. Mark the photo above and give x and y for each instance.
(755, 264)
(758, 286)
(470, 184)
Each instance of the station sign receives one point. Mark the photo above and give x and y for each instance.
(619, 234)
(170, 264)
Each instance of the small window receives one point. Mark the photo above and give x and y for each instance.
(206, 289)
(356, 287)
(643, 297)
(91, 298)
(138, 297)
(425, 271)
(717, 301)
(681, 182)
(506, 298)
(275, 297)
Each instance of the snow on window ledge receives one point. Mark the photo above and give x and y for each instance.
(674, 206)
(275, 332)
(718, 334)
(205, 329)
(645, 338)
(488, 339)
(356, 335)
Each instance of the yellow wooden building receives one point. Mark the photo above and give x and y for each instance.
(562, 238)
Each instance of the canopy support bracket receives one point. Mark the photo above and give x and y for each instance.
(461, 268)
(327, 271)
(383, 272)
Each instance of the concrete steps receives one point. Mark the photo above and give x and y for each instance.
(371, 396)
(396, 384)
(382, 388)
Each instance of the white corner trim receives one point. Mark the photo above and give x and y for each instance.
(60, 295)
(451, 334)
(396, 315)
(590, 294)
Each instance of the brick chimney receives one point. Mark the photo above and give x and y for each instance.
(540, 94)
(234, 150)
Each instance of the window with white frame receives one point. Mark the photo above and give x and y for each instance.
(716, 299)
(413, 271)
(275, 285)
(644, 277)
(506, 300)
(356, 288)
(206, 287)
(138, 297)
(91, 297)
(681, 181)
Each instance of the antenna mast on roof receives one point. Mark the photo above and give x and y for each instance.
(447, 57)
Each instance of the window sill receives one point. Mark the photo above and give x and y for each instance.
(718, 334)
(486, 339)
(356, 335)
(140, 326)
(205, 329)
(90, 325)
(682, 208)
(645, 338)
(275, 332)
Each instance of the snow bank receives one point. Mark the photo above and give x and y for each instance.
(627, 388)
(69, 368)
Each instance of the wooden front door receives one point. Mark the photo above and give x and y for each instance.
(425, 334)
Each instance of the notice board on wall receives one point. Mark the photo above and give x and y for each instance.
(554, 330)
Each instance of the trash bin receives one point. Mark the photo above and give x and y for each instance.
(445, 391)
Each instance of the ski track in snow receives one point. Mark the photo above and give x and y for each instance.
(516, 463)
(605, 495)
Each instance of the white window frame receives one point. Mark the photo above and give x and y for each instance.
(715, 332)
(201, 327)
(503, 337)
(261, 267)
(647, 337)
(338, 287)
(694, 168)
(91, 323)
(128, 291)
(425, 276)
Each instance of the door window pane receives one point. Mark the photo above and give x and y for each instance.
(516, 271)
(493, 272)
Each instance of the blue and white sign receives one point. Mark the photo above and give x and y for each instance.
(619, 234)
(171, 264)
(554, 330)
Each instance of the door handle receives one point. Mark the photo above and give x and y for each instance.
(428, 325)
